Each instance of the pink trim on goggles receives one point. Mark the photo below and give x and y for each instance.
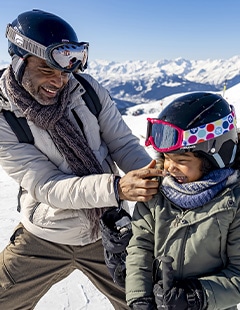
(166, 137)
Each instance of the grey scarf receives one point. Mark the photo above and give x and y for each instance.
(70, 141)
(195, 194)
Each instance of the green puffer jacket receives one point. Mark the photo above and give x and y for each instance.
(204, 242)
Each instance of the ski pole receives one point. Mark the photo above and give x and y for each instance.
(167, 276)
(167, 272)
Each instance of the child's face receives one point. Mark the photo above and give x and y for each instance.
(184, 168)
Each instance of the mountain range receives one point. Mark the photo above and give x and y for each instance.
(135, 82)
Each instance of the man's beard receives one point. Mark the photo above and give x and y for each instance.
(28, 85)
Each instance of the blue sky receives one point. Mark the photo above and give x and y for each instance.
(150, 30)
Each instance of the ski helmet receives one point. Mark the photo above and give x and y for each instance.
(33, 32)
(196, 122)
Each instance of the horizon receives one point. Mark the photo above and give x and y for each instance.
(104, 62)
(144, 31)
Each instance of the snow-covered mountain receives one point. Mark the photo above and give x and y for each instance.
(135, 82)
(3, 63)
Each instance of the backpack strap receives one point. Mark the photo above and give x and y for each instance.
(90, 97)
(19, 126)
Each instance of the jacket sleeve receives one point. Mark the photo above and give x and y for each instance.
(139, 283)
(123, 146)
(32, 170)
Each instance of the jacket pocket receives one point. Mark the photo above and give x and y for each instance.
(45, 216)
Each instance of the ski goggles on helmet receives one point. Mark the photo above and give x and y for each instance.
(65, 56)
(166, 137)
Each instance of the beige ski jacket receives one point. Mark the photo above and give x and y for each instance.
(53, 198)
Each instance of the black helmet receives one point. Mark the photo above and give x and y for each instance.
(32, 32)
(197, 122)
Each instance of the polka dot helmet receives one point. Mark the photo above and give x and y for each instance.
(201, 122)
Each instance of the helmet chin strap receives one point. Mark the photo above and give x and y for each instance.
(18, 65)
(220, 161)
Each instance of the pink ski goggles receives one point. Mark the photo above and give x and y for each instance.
(166, 137)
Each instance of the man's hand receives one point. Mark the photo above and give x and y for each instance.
(139, 185)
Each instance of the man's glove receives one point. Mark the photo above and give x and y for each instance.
(186, 294)
(145, 303)
(116, 264)
(116, 229)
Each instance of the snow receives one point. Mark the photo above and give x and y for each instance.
(76, 291)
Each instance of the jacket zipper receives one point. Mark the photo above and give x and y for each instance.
(179, 218)
(183, 251)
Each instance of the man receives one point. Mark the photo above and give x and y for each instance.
(69, 177)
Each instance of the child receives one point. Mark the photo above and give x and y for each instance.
(185, 249)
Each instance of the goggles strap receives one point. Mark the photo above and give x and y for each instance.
(25, 43)
(233, 153)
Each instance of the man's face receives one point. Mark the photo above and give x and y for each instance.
(42, 82)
